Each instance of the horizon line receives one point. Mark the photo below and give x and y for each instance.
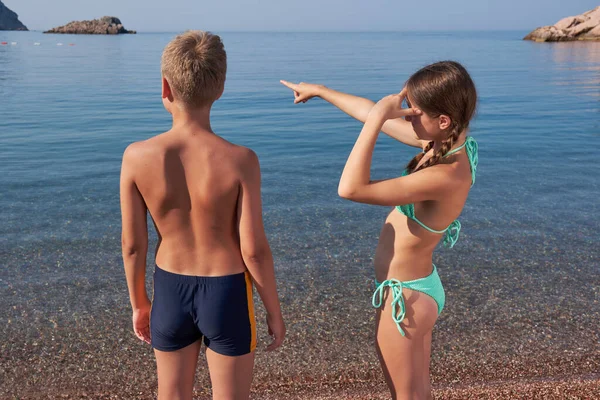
(300, 31)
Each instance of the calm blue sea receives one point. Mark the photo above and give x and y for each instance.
(68, 111)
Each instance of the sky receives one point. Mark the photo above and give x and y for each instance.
(303, 15)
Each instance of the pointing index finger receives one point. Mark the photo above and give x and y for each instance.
(288, 84)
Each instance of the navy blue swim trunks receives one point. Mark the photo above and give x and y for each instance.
(218, 309)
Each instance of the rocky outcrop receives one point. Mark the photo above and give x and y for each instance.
(581, 27)
(102, 26)
(9, 20)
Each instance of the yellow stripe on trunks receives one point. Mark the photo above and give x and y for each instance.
(251, 311)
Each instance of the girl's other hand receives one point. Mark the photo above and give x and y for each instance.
(390, 107)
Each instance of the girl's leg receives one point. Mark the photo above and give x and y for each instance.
(427, 353)
(176, 372)
(405, 359)
(231, 377)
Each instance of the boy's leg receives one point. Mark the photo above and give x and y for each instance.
(176, 371)
(231, 377)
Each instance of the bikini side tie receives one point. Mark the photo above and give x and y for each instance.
(398, 307)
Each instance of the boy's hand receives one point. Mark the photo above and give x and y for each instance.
(141, 322)
(390, 107)
(276, 330)
(303, 91)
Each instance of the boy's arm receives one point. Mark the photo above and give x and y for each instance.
(134, 240)
(255, 248)
(356, 107)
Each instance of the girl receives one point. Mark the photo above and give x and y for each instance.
(428, 197)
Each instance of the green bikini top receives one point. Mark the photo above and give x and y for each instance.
(453, 230)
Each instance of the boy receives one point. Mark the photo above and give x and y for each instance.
(203, 194)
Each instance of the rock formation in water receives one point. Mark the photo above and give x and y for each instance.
(9, 20)
(102, 26)
(581, 27)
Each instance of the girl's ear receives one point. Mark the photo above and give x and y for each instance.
(444, 122)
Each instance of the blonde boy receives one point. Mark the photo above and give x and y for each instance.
(203, 194)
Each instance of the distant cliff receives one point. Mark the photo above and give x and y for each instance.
(9, 20)
(102, 26)
(580, 27)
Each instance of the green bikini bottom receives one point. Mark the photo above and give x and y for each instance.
(431, 285)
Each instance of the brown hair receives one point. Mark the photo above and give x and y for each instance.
(195, 65)
(443, 88)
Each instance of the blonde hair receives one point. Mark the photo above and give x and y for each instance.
(195, 65)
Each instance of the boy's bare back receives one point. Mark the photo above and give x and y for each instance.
(190, 180)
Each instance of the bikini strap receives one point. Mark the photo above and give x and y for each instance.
(473, 153)
(398, 307)
(459, 148)
(472, 149)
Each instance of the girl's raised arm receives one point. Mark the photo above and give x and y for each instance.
(356, 107)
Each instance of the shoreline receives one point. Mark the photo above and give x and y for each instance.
(506, 324)
(93, 354)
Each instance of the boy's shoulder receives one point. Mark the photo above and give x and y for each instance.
(243, 158)
(246, 155)
(143, 147)
(241, 154)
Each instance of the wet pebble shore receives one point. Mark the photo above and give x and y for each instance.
(517, 325)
